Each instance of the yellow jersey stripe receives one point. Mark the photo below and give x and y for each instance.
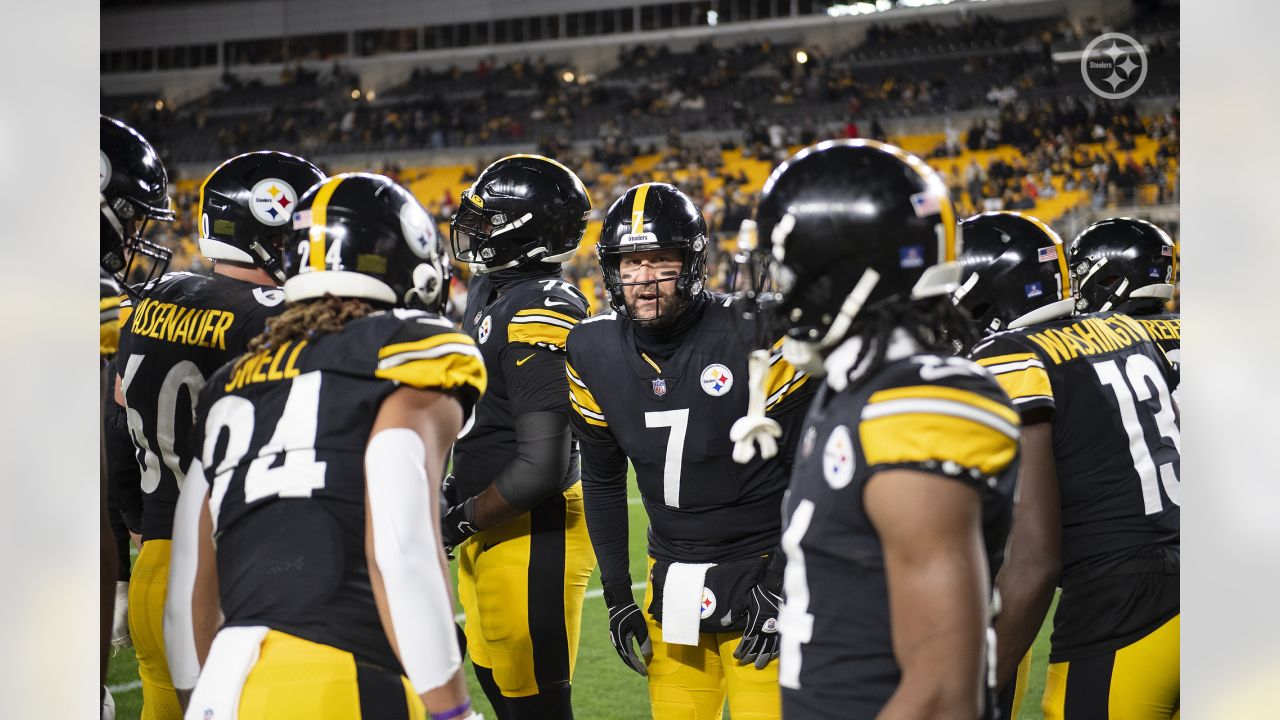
(538, 333)
(1002, 359)
(637, 208)
(547, 315)
(782, 380)
(449, 371)
(424, 344)
(929, 437)
(941, 392)
(587, 416)
(1021, 385)
(319, 216)
(580, 396)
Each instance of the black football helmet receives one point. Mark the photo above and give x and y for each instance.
(134, 188)
(1014, 272)
(522, 209)
(360, 235)
(1123, 264)
(246, 205)
(649, 217)
(852, 225)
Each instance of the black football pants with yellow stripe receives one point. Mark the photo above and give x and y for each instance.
(522, 586)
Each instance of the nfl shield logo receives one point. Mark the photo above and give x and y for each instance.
(659, 387)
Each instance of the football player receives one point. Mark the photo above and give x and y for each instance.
(515, 497)
(902, 494)
(1130, 266)
(133, 188)
(185, 328)
(319, 455)
(658, 381)
(1098, 491)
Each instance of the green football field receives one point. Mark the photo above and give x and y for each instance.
(604, 688)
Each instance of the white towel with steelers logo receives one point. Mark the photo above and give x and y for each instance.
(231, 658)
(682, 602)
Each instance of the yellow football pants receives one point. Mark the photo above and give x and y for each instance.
(688, 682)
(1140, 681)
(147, 587)
(522, 585)
(296, 679)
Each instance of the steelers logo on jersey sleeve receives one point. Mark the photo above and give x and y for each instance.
(716, 380)
(837, 458)
(273, 201)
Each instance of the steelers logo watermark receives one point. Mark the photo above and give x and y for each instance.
(1114, 66)
(837, 458)
(716, 380)
(272, 201)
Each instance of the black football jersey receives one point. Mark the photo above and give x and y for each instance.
(282, 436)
(509, 326)
(188, 327)
(939, 415)
(672, 421)
(1166, 330)
(1107, 388)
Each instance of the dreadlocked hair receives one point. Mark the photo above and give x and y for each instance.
(308, 320)
(937, 324)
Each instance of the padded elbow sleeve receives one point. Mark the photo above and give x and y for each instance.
(407, 549)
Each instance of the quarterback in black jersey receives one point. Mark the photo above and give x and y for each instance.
(319, 454)
(1098, 492)
(1130, 266)
(515, 512)
(185, 327)
(659, 381)
(902, 494)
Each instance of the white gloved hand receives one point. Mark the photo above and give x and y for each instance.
(748, 431)
(120, 623)
(755, 428)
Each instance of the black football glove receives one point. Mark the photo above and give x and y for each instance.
(760, 639)
(450, 494)
(457, 524)
(626, 624)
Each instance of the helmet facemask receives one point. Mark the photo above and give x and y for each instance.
(125, 223)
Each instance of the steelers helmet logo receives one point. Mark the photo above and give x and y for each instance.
(837, 458)
(418, 230)
(104, 171)
(272, 201)
(716, 380)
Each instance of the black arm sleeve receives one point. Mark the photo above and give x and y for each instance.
(539, 396)
(604, 498)
(543, 443)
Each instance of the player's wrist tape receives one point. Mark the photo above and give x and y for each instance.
(460, 711)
